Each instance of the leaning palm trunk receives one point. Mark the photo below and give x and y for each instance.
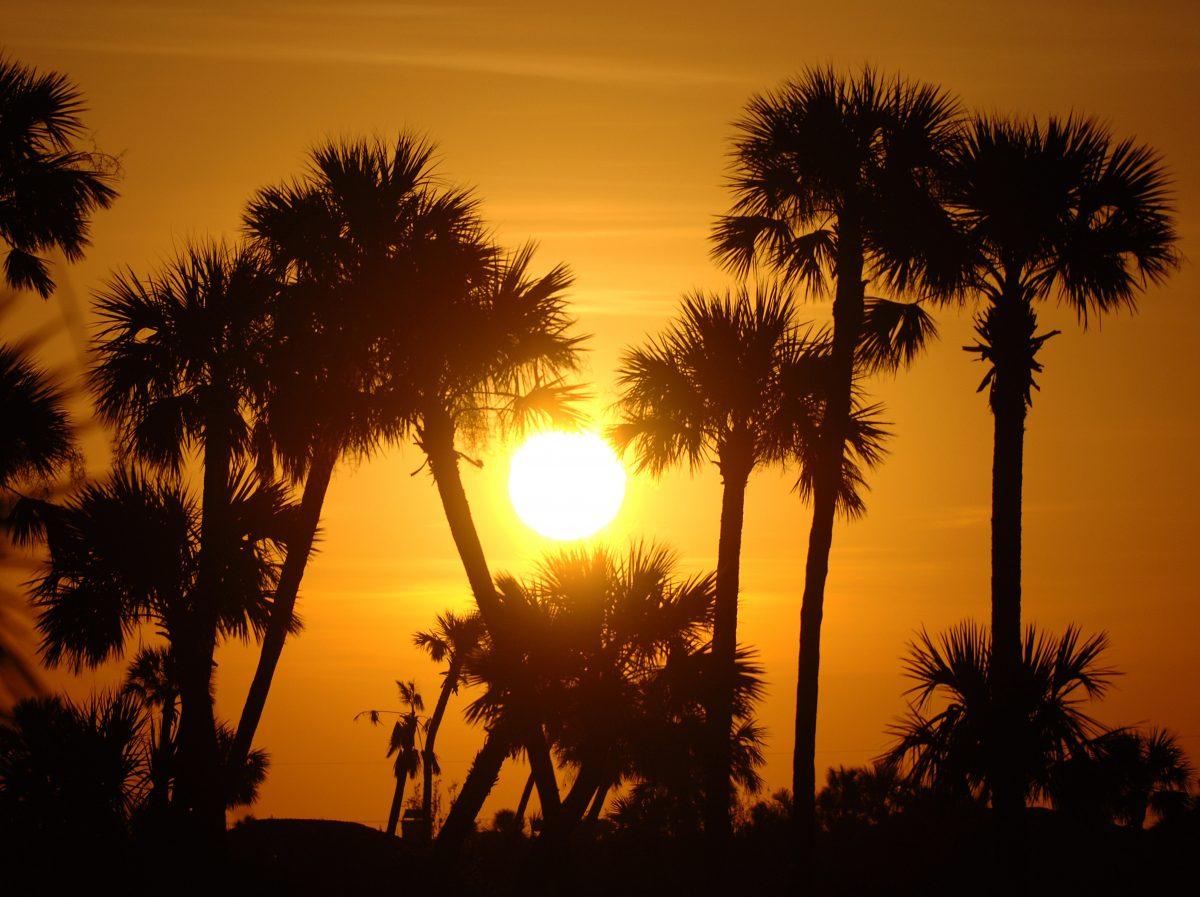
(284, 605)
(438, 444)
(427, 759)
(397, 802)
(481, 778)
(724, 655)
(523, 803)
(847, 324)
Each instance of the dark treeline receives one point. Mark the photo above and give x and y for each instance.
(366, 304)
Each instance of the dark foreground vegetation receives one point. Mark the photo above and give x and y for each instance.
(365, 304)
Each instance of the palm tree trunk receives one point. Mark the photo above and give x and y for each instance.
(160, 789)
(435, 722)
(597, 807)
(847, 324)
(199, 781)
(735, 474)
(397, 804)
(1011, 328)
(284, 605)
(579, 798)
(523, 803)
(460, 821)
(437, 440)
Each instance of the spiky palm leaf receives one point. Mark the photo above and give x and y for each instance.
(49, 187)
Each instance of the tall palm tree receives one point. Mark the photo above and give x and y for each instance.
(488, 356)
(360, 241)
(1062, 211)
(723, 385)
(946, 742)
(452, 640)
(49, 188)
(402, 744)
(835, 183)
(179, 361)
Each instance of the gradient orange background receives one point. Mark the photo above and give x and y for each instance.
(600, 130)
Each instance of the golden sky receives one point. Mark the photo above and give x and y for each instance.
(600, 130)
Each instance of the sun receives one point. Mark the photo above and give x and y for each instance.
(566, 485)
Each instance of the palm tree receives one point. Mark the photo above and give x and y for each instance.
(402, 745)
(1123, 776)
(126, 552)
(49, 188)
(452, 640)
(72, 774)
(610, 653)
(1056, 211)
(835, 180)
(152, 679)
(945, 742)
(179, 363)
(725, 384)
(38, 441)
(488, 358)
(349, 239)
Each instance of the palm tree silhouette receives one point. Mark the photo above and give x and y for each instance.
(72, 774)
(49, 188)
(952, 749)
(179, 363)
(715, 387)
(835, 179)
(489, 358)
(152, 679)
(1060, 210)
(36, 445)
(452, 640)
(402, 744)
(1125, 775)
(347, 240)
(38, 441)
(126, 552)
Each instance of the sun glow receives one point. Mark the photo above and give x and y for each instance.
(566, 485)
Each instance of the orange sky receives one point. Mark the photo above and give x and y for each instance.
(600, 131)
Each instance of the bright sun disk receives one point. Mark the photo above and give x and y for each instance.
(566, 485)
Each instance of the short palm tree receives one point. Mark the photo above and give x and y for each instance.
(347, 239)
(178, 364)
(1124, 776)
(49, 188)
(451, 641)
(152, 679)
(402, 744)
(734, 383)
(124, 553)
(72, 772)
(836, 184)
(945, 742)
(1064, 211)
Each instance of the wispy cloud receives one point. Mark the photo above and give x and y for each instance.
(580, 69)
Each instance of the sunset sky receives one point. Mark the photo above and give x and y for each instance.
(601, 131)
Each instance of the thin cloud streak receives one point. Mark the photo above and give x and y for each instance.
(592, 70)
